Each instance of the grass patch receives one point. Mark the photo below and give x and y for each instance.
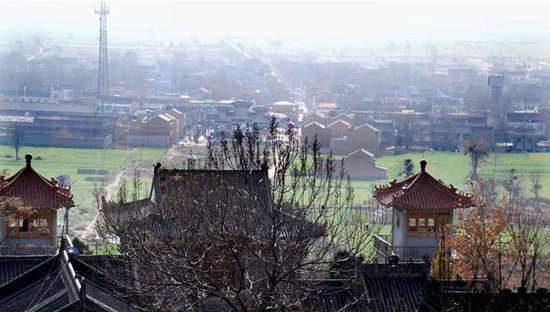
(141, 154)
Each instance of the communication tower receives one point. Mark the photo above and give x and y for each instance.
(103, 64)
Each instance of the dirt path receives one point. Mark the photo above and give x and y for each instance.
(110, 191)
(178, 156)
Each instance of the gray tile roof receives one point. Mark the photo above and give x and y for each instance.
(60, 283)
(378, 288)
(238, 198)
(13, 266)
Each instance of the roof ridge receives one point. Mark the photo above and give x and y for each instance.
(339, 120)
(365, 125)
(361, 150)
(315, 122)
(407, 188)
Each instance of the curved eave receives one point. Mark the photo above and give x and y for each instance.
(58, 197)
(438, 195)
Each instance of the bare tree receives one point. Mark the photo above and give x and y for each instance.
(477, 149)
(17, 135)
(529, 242)
(536, 187)
(254, 231)
(512, 184)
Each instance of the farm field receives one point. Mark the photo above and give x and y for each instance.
(452, 168)
(455, 168)
(53, 162)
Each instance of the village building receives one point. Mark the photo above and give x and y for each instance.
(240, 113)
(343, 136)
(161, 130)
(326, 108)
(57, 125)
(449, 131)
(323, 96)
(289, 110)
(314, 117)
(525, 129)
(422, 207)
(319, 131)
(180, 121)
(344, 117)
(360, 165)
(116, 105)
(340, 127)
(200, 94)
(27, 96)
(362, 137)
(37, 232)
(125, 126)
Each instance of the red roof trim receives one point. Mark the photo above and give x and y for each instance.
(422, 192)
(35, 190)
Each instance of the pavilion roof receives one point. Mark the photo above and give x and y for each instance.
(422, 192)
(35, 190)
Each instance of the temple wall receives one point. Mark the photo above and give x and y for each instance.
(399, 231)
(422, 241)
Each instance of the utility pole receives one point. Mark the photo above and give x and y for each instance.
(103, 64)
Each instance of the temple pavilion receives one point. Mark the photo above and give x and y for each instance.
(422, 206)
(35, 232)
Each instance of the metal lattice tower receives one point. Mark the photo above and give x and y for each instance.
(103, 64)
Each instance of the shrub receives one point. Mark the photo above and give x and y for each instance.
(82, 247)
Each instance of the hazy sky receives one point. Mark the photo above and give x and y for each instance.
(147, 21)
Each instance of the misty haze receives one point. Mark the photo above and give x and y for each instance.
(270, 156)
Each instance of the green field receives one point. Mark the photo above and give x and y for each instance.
(454, 168)
(52, 162)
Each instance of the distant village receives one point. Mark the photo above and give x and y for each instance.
(251, 230)
(431, 104)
